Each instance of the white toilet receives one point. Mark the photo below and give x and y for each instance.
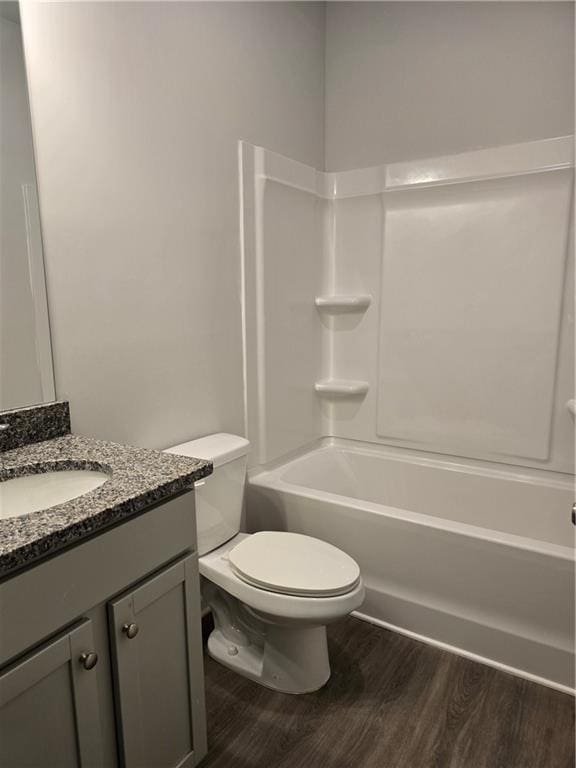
(271, 593)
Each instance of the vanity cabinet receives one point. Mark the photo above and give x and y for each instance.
(49, 708)
(101, 651)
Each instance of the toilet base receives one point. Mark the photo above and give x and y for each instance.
(287, 656)
(285, 659)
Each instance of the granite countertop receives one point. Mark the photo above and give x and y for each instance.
(139, 477)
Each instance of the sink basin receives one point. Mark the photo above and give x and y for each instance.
(30, 493)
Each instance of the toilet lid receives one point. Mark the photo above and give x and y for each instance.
(294, 565)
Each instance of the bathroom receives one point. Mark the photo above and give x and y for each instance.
(287, 398)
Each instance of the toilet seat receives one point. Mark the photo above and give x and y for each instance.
(308, 609)
(293, 564)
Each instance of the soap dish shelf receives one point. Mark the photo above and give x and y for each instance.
(341, 388)
(343, 302)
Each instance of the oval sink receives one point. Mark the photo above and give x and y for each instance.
(31, 493)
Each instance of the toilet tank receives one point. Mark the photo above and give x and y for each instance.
(219, 497)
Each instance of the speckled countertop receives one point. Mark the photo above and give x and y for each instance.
(138, 478)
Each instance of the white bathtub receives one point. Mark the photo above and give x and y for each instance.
(473, 558)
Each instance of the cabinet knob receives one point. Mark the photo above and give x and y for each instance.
(130, 630)
(89, 660)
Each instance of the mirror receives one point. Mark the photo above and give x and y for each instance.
(26, 372)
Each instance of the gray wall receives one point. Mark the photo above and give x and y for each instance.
(407, 80)
(137, 109)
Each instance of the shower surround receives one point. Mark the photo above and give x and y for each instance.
(409, 361)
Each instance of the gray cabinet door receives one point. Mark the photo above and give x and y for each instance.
(49, 716)
(157, 652)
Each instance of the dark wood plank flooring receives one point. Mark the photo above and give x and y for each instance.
(391, 702)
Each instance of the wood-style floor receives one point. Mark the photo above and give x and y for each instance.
(392, 702)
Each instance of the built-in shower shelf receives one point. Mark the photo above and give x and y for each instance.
(341, 387)
(353, 302)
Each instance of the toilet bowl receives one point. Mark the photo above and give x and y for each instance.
(271, 593)
(273, 637)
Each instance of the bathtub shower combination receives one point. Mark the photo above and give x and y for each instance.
(410, 384)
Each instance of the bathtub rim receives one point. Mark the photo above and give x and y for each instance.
(444, 461)
(271, 478)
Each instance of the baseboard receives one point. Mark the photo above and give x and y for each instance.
(467, 654)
